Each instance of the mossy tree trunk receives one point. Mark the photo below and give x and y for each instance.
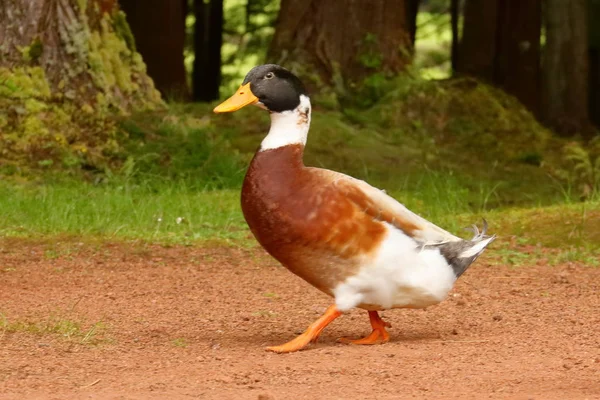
(501, 44)
(159, 30)
(566, 66)
(342, 42)
(66, 67)
(84, 47)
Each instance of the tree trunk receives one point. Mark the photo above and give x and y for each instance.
(594, 57)
(64, 71)
(454, 22)
(477, 48)
(501, 45)
(159, 30)
(341, 42)
(208, 39)
(565, 68)
(517, 61)
(412, 10)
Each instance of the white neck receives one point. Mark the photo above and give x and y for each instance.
(288, 127)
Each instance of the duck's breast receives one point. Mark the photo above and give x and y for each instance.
(306, 223)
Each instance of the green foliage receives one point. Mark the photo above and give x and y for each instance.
(431, 59)
(368, 56)
(248, 28)
(361, 95)
(179, 146)
(433, 41)
(579, 168)
(467, 128)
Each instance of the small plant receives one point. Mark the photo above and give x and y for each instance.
(91, 334)
(515, 258)
(582, 167)
(264, 313)
(51, 254)
(179, 342)
(66, 328)
(576, 254)
(369, 57)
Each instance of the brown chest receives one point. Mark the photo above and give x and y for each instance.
(303, 221)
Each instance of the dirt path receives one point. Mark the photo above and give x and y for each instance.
(179, 323)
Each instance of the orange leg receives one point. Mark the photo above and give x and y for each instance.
(310, 335)
(378, 335)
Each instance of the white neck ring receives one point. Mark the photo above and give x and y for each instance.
(288, 127)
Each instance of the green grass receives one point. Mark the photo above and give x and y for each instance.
(175, 214)
(169, 214)
(57, 326)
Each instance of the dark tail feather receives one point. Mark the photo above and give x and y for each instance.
(461, 254)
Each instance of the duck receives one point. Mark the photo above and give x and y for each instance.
(346, 238)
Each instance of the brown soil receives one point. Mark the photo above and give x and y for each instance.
(184, 322)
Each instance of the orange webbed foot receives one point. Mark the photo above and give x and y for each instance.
(310, 335)
(378, 335)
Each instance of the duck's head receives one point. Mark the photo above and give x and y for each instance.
(279, 91)
(268, 86)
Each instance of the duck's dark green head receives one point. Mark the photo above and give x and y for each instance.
(269, 86)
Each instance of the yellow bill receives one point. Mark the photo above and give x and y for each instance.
(242, 97)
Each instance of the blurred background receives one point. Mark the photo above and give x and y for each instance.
(456, 107)
(545, 53)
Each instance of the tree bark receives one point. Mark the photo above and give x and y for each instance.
(342, 41)
(412, 10)
(517, 58)
(565, 67)
(208, 39)
(594, 57)
(501, 45)
(454, 23)
(159, 30)
(82, 52)
(477, 48)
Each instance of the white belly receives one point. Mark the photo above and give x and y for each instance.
(398, 274)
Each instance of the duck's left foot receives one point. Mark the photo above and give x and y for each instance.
(310, 335)
(378, 335)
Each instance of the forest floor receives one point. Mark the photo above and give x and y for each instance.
(140, 321)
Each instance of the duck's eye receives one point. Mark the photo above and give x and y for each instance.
(269, 75)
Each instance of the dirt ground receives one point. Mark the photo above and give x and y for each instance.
(187, 323)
